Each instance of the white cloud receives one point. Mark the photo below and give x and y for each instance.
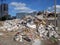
(17, 4)
(51, 9)
(21, 7)
(57, 6)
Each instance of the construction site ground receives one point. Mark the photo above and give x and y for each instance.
(7, 39)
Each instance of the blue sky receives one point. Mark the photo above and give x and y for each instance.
(16, 6)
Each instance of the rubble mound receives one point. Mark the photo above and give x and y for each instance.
(30, 30)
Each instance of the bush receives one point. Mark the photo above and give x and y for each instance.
(6, 17)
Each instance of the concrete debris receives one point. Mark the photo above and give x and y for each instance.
(27, 29)
(31, 25)
(18, 37)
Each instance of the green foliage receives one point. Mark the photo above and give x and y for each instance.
(6, 17)
(53, 39)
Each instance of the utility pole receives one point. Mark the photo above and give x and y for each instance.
(46, 16)
(55, 13)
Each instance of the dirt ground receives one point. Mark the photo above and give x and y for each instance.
(7, 39)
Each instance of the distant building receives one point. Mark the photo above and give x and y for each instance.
(3, 10)
(20, 15)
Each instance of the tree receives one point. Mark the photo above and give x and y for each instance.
(6, 17)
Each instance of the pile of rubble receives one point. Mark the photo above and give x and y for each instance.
(11, 25)
(30, 29)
